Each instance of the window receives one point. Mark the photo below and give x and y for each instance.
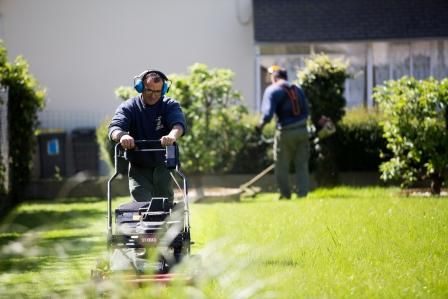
(388, 60)
(400, 60)
(439, 59)
(421, 59)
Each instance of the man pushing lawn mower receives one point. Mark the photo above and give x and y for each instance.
(146, 128)
(149, 116)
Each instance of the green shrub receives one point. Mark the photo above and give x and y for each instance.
(107, 147)
(360, 142)
(215, 133)
(323, 80)
(26, 98)
(257, 152)
(416, 130)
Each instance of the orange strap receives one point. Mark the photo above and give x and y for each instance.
(294, 98)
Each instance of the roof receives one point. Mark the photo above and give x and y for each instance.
(335, 20)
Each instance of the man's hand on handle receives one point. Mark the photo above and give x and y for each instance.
(167, 140)
(127, 142)
(175, 133)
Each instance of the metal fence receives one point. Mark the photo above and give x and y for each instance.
(4, 137)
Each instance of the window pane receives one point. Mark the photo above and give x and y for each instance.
(439, 59)
(421, 59)
(380, 63)
(355, 92)
(400, 60)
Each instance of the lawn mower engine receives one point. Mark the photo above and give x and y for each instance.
(149, 236)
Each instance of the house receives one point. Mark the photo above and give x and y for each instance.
(82, 50)
(381, 39)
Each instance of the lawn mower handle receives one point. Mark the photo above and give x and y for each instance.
(151, 145)
(150, 142)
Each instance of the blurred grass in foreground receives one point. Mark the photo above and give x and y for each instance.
(341, 242)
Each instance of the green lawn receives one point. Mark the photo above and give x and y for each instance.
(337, 243)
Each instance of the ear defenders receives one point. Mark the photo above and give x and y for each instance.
(138, 81)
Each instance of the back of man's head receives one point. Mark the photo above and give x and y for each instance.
(277, 72)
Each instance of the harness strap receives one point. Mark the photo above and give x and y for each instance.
(293, 96)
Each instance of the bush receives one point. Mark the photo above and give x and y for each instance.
(215, 133)
(26, 98)
(107, 147)
(323, 80)
(415, 130)
(257, 153)
(360, 144)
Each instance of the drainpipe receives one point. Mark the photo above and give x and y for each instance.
(369, 75)
(257, 79)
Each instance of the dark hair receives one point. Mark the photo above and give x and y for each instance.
(280, 74)
(154, 76)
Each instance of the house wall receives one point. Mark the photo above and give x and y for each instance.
(82, 50)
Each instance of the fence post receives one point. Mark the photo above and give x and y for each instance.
(4, 139)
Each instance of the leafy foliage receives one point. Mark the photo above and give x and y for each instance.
(257, 153)
(26, 98)
(213, 111)
(107, 147)
(125, 92)
(322, 80)
(360, 145)
(415, 129)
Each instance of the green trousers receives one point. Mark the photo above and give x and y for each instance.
(148, 182)
(292, 146)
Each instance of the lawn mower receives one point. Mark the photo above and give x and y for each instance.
(146, 239)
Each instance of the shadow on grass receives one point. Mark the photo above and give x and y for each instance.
(40, 252)
(25, 220)
(32, 238)
(6, 238)
(22, 264)
(68, 200)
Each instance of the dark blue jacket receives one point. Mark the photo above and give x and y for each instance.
(277, 101)
(145, 122)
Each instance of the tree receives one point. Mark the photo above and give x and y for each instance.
(416, 131)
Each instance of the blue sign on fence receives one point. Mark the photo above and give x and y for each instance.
(53, 147)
